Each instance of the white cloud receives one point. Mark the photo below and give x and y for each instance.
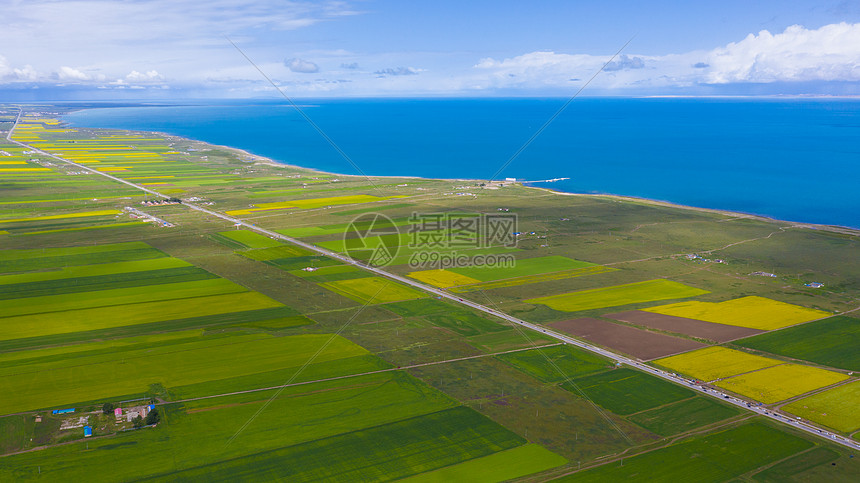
(13, 74)
(398, 71)
(829, 53)
(623, 62)
(148, 76)
(302, 66)
(70, 73)
(182, 37)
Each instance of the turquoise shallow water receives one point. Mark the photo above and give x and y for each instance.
(793, 159)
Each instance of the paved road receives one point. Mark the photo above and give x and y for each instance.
(744, 404)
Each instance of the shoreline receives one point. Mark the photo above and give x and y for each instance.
(259, 159)
(845, 230)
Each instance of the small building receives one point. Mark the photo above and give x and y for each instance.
(117, 412)
(63, 411)
(88, 431)
(814, 285)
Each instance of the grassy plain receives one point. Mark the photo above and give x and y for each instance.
(524, 267)
(250, 239)
(792, 468)
(555, 364)
(835, 408)
(830, 342)
(753, 312)
(683, 416)
(465, 323)
(527, 279)
(713, 363)
(618, 295)
(626, 391)
(501, 466)
(713, 457)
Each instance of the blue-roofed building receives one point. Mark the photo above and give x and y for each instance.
(63, 411)
(88, 431)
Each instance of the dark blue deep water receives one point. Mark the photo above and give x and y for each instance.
(793, 159)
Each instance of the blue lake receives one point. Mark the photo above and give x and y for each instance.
(792, 159)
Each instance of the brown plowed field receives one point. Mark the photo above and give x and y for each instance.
(681, 325)
(637, 342)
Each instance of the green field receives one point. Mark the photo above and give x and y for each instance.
(501, 466)
(293, 262)
(835, 408)
(100, 270)
(523, 267)
(625, 391)
(396, 450)
(788, 470)
(15, 261)
(830, 342)
(250, 239)
(225, 318)
(104, 282)
(65, 381)
(465, 323)
(631, 293)
(373, 290)
(424, 306)
(26, 326)
(555, 364)
(275, 253)
(712, 457)
(683, 416)
(111, 297)
(507, 340)
(331, 273)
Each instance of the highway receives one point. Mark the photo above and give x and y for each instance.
(739, 402)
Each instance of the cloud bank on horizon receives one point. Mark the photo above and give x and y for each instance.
(179, 46)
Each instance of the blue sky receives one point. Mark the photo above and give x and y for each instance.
(104, 49)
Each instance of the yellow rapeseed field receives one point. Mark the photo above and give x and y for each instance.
(782, 382)
(716, 363)
(22, 170)
(442, 278)
(311, 203)
(630, 293)
(67, 215)
(753, 312)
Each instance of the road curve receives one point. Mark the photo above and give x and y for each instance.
(752, 406)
